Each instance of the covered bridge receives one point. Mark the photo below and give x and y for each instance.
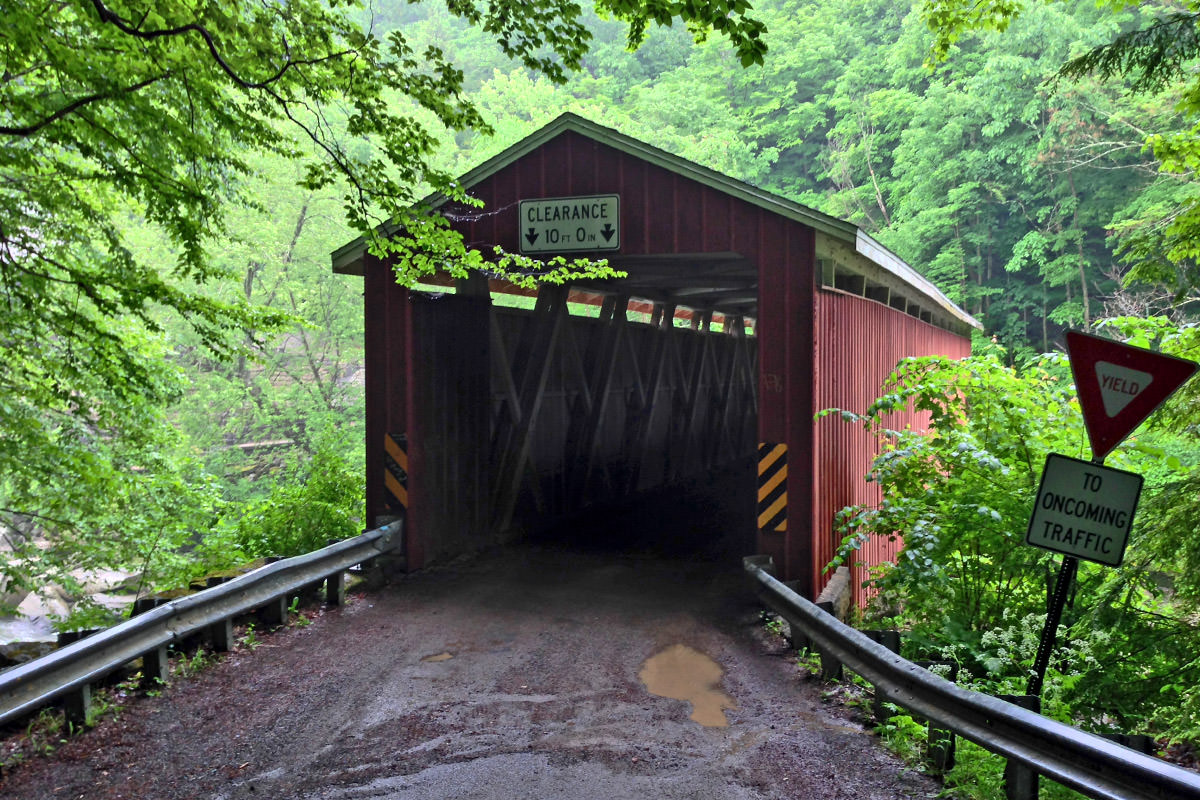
(743, 314)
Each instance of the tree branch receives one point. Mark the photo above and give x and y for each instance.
(70, 108)
(106, 15)
(18, 513)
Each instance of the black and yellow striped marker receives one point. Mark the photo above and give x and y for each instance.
(395, 477)
(772, 486)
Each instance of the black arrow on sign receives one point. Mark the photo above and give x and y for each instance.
(532, 236)
(607, 231)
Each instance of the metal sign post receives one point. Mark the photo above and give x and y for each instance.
(1083, 510)
(1066, 574)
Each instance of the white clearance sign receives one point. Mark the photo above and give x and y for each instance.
(571, 224)
(1084, 510)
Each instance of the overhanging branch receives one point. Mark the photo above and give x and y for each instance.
(72, 107)
(109, 16)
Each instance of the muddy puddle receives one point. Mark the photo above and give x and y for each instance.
(684, 673)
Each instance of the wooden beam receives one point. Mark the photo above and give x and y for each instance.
(530, 375)
(603, 372)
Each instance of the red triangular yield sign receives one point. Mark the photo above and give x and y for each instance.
(1120, 385)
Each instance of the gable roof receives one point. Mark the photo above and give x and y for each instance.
(348, 258)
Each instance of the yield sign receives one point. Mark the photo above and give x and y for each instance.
(1120, 385)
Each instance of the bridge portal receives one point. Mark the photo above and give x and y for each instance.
(492, 411)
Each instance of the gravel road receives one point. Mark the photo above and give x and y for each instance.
(512, 675)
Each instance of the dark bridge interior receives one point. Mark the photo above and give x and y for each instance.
(594, 401)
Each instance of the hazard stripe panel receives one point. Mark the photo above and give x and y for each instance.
(395, 476)
(772, 486)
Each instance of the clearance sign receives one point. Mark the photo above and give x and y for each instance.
(1084, 510)
(571, 224)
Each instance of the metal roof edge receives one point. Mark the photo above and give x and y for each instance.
(876, 252)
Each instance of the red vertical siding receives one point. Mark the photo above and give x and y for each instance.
(859, 342)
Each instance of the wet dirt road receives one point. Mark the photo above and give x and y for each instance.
(518, 674)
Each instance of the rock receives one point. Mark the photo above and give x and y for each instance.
(52, 601)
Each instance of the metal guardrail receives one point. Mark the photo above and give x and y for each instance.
(1085, 762)
(75, 667)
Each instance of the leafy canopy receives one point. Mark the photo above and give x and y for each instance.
(133, 108)
(1155, 56)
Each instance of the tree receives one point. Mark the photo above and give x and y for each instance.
(112, 111)
(1153, 52)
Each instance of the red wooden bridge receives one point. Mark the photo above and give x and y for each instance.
(743, 314)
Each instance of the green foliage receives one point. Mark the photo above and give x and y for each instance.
(311, 502)
(87, 615)
(299, 620)
(1152, 53)
(250, 638)
(45, 732)
(904, 736)
(199, 661)
(959, 495)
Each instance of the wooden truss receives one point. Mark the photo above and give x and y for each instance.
(593, 410)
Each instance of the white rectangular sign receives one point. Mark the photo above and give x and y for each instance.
(1084, 510)
(571, 224)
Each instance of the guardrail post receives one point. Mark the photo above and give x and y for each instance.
(1134, 741)
(143, 604)
(274, 612)
(155, 668)
(1021, 782)
(77, 704)
(220, 635)
(890, 640)
(335, 589)
(65, 638)
(796, 637)
(831, 668)
(941, 747)
(941, 741)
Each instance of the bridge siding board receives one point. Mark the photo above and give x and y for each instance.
(451, 357)
(385, 307)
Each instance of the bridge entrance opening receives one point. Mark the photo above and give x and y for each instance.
(533, 412)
